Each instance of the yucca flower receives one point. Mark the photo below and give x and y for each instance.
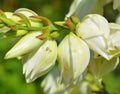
(73, 58)
(25, 45)
(114, 40)
(94, 30)
(50, 83)
(40, 61)
(100, 66)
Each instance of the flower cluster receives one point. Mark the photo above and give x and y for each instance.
(92, 45)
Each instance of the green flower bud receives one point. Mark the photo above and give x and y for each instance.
(41, 61)
(21, 32)
(25, 45)
(94, 29)
(73, 58)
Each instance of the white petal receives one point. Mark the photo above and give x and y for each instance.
(94, 29)
(26, 12)
(41, 61)
(87, 31)
(73, 57)
(98, 45)
(114, 47)
(50, 83)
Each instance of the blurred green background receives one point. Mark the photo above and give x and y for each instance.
(12, 80)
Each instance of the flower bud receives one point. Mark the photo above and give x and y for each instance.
(94, 29)
(28, 13)
(39, 62)
(21, 32)
(73, 58)
(25, 45)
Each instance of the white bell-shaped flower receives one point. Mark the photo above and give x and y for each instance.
(94, 29)
(115, 35)
(40, 61)
(73, 58)
(114, 47)
(100, 66)
(25, 45)
(50, 83)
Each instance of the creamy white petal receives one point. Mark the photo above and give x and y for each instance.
(26, 12)
(114, 47)
(51, 86)
(98, 45)
(41, 61)
(101, 24)
(86, 30)
(73, 57)
(94, 29)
